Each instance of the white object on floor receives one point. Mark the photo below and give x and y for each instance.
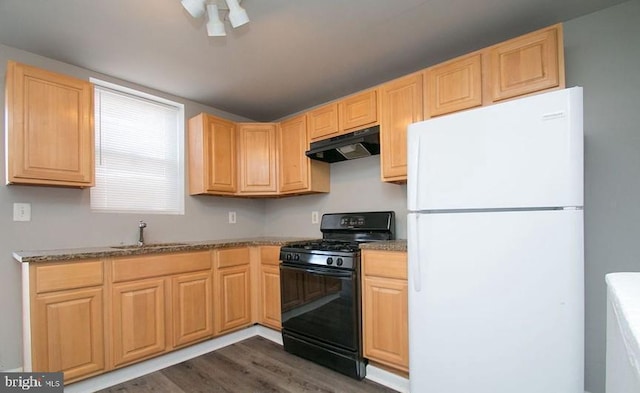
(623, 333)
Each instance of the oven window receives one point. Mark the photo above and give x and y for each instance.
(321, 303)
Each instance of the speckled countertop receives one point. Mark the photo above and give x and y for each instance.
(118, 251)
(386, 245)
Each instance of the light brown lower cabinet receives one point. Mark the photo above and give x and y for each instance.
(192, 308)
(138, 314)
(67, 325)
(233, 289)
(269, 297)
(92, 316)
(158, 303)
(385, 309)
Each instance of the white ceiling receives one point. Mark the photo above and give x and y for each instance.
(294, 54)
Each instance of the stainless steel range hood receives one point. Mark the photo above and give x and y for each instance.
(357, 144)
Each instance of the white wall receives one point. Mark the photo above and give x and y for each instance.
(61, 217)
(602, 53)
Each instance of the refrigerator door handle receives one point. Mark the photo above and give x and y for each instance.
(414, 185)
(413, 248)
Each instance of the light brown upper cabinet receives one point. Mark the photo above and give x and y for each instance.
(358, 111)
(454, 85)
(401, 105)
(49, 128)
(212, 155)
(299, 174)
(527, 64)
(323, 122)
(257, 152)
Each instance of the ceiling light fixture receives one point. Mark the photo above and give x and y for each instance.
(215, 28)
(195, 8)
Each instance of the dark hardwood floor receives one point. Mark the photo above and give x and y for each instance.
(254, 365)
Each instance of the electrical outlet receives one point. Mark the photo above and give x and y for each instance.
(232, 217)
(21, 212)
(314, 217)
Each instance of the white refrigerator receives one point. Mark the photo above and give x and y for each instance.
(496, 248)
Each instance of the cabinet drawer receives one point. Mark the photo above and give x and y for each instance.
(232, 257)
(270, 255)
(145, 266)
(57, 277)
(391, 264)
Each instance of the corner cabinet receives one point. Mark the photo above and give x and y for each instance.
(257, 152)
(401, 105)
(212, 156)
(385, 308)
(50, 137)
(298, 173)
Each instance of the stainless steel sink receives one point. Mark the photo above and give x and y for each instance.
(150, 245)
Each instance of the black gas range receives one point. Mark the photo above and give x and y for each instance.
(320, 290)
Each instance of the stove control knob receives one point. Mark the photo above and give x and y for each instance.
(329, 261)
(339, 262)
(288, 257)
(296, 257)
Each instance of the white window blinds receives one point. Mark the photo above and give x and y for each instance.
(139, 152)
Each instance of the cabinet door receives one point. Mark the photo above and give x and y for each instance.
(67, 333)
(454, 85)
(270, 296)
(192, 308)
(138, 320)
(298, 173)
(294, 164)
(49, 128)
(401, 105)
(358, 111)
(233, 308)
(323, 122)
(527, 64)
(258, 158)
(385, 322)
(212, 155)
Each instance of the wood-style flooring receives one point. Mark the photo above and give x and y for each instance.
(255, 365)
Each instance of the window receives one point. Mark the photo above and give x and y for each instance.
(139, 152)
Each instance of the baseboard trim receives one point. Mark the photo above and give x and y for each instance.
(388, 379)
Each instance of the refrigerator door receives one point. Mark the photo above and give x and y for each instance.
(518, 154)
(500, 309)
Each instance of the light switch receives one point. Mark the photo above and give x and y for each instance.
(21, 212)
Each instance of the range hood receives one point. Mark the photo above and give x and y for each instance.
(357, 144)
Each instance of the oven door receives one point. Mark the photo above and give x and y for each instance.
(321, 303)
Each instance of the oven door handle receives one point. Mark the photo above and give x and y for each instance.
(320, 271)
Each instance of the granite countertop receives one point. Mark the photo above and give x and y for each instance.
(386, 245)
(156, 248)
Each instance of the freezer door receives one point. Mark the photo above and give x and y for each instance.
(500, 306)
(522, 153)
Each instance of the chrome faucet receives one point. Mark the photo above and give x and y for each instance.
(142, 225)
